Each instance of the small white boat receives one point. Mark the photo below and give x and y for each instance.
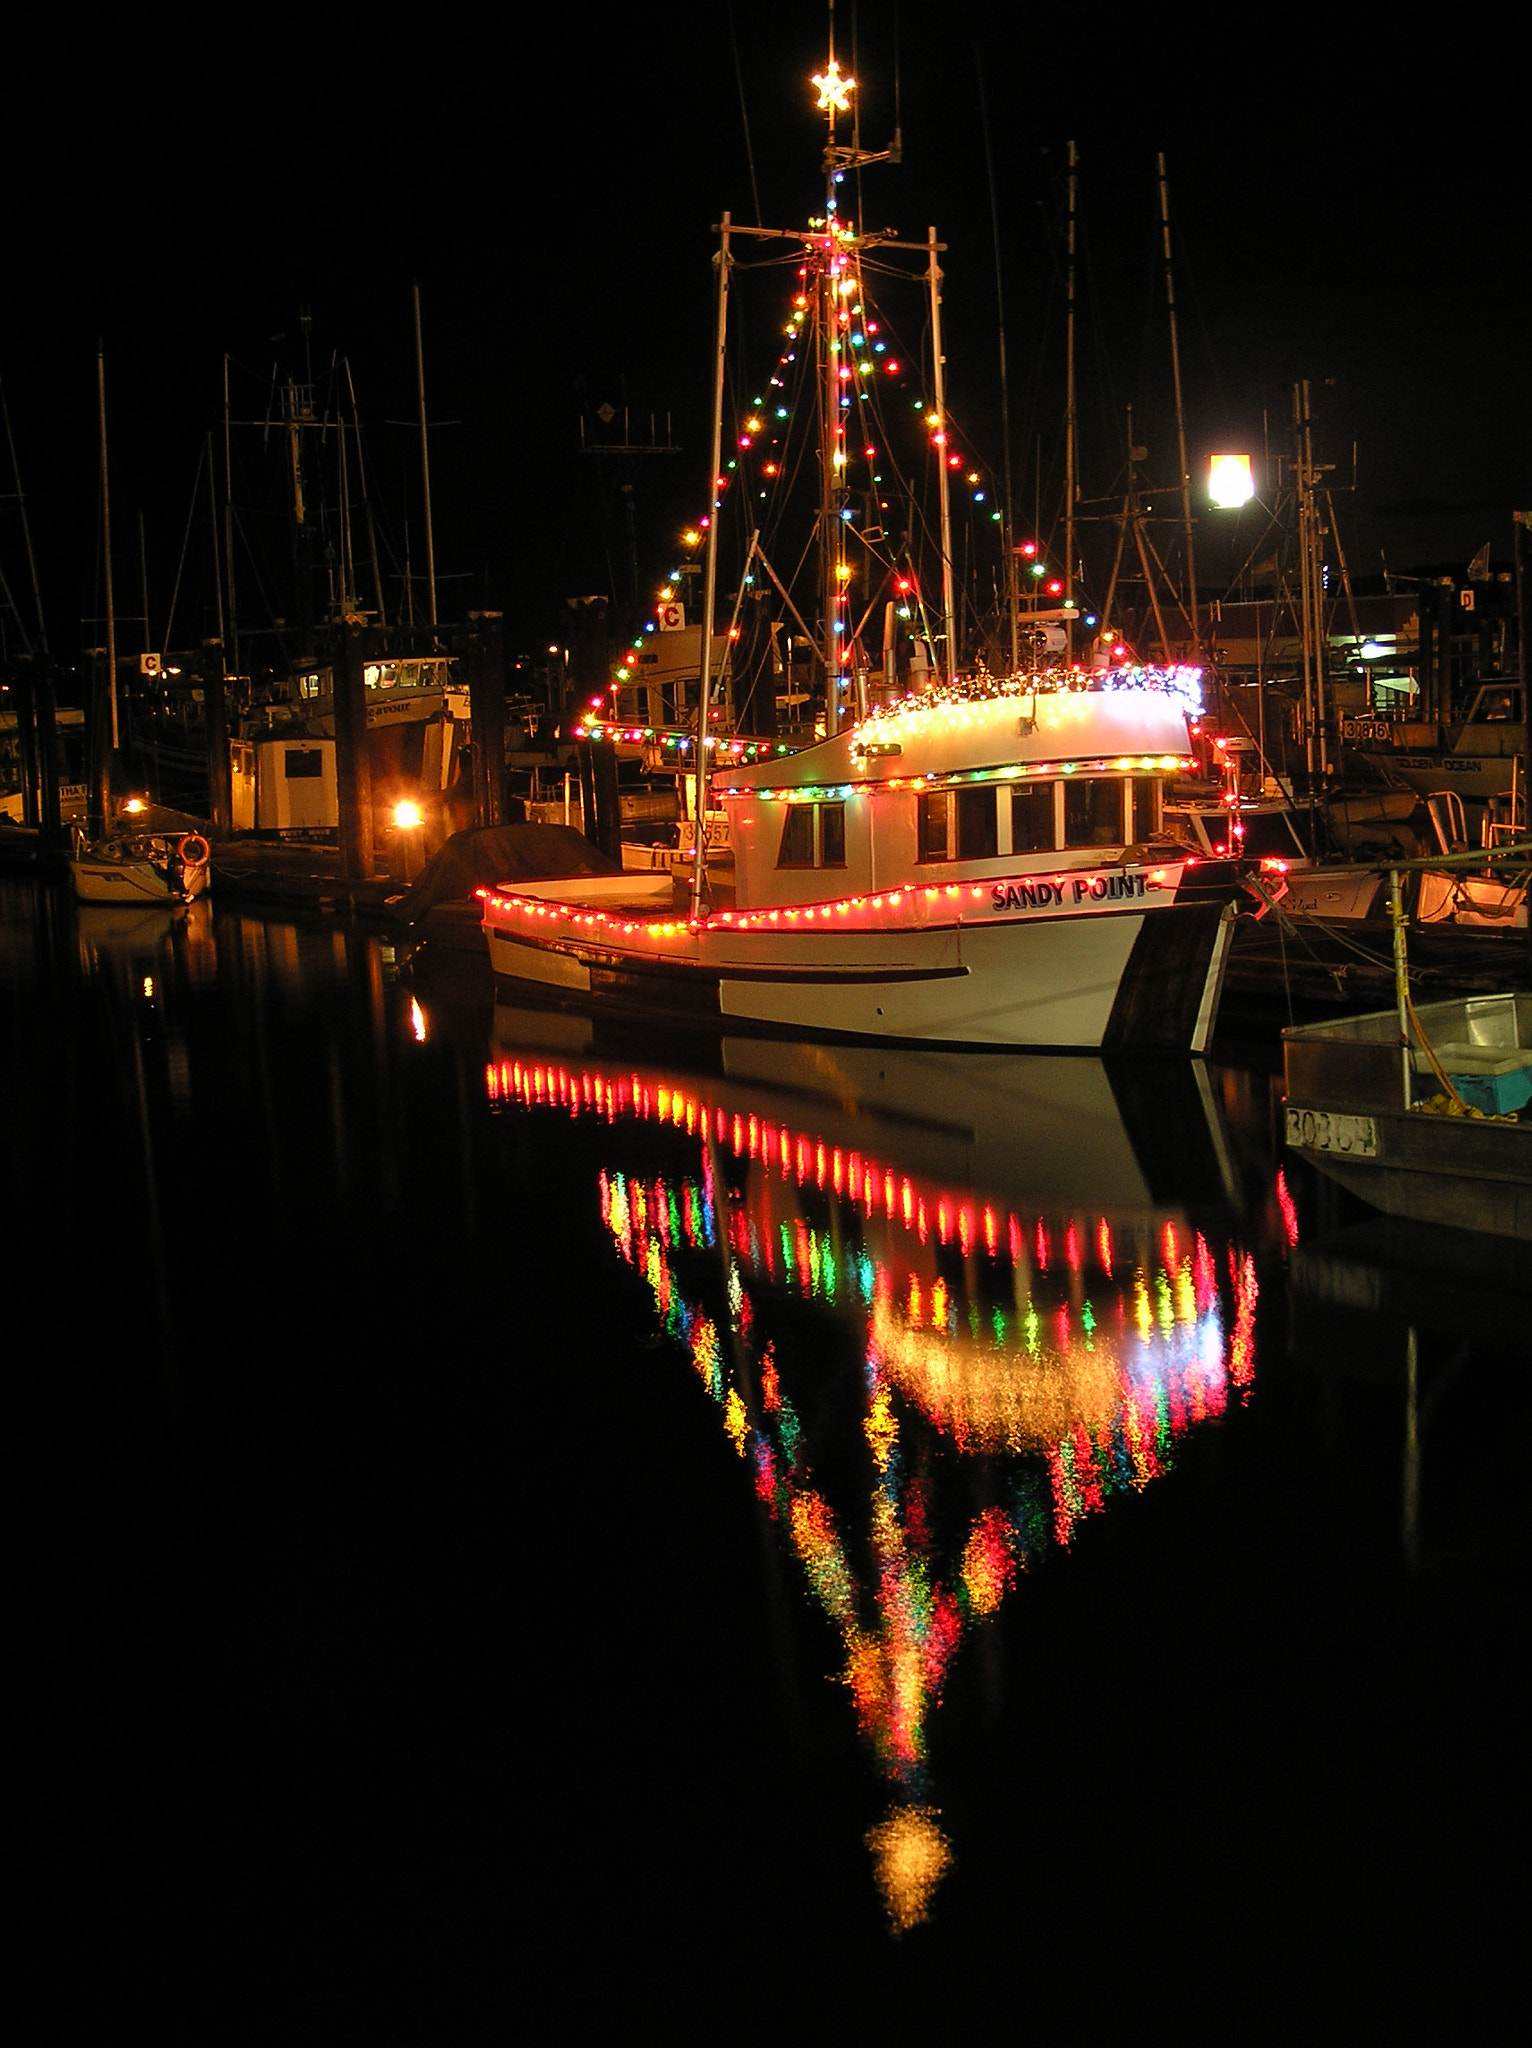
(141, 867)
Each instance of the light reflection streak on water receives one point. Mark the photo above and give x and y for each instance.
(1077, 1351)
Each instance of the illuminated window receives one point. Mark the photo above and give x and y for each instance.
(1495, 707)
(1093, 811)
(1032, 826)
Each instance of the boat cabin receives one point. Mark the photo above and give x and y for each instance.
(958, 788)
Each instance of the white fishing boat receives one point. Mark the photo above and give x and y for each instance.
(981, 861)
(972, 867)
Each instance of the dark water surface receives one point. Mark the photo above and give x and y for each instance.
(526, 1532)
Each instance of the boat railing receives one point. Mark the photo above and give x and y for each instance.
(1506, 826)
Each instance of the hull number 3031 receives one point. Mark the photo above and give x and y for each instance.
(1326, 1130)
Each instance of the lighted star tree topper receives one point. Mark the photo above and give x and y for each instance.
(834, 91)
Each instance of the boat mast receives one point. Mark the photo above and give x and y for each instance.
(1175, 372)
(106, 555)
(1310, 587)
(425, 460)
(228, 526)
(834, 349)
(26, 532)
(1012, 593)
(948, 668)
(710, 576)
(1070, 429)
(832, 465)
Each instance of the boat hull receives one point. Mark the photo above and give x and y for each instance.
(124, 876)
(1115, 979)
(1451, 1171)
(1346, 1114)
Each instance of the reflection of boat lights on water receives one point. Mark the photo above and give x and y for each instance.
(1074, 1348)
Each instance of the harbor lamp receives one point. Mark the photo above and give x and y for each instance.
(408, 819)
(1229, 482)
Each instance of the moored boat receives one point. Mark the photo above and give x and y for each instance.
(982, 865)
(981, 861)
(140, 867)
(1425, 1119)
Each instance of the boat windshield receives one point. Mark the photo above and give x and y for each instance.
(1270, 835)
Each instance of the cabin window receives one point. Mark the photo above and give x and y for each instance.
(298, 767)
(832, 835)
(959, 825)
(1144, 816)
(797, 848)
(1093, 811)
(977, 836)
(813, 835)
(1496, 707)
(1269, 835)
(935, 837)
(1032, 817)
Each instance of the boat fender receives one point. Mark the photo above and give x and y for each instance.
(193, 850)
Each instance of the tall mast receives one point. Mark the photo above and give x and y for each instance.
(425, 460)
(939, 391)
(1012, 595)
(212, 513)
(26, 527)
(106, 554)
(710, 577)
(1069, 429)
(834, 350)
(832, 464)
(228, 521)
(1310, 587)
(1175, 372)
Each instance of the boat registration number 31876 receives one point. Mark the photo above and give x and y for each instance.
(1326, 1130)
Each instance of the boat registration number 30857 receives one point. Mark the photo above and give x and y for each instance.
(1327, 1130)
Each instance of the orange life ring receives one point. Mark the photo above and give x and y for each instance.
(193, 850)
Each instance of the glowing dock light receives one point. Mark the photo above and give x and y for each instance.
(407, 815)
(1229, 482)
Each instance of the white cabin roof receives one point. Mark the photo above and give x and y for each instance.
(946, 734)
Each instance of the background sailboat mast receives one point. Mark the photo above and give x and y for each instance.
(1175, 372)
(948, 667)
(228, 525)
(106, 556)
(425, 460)
(1012, 594)
(1070, 428)
(710, 577)
(1310, 589)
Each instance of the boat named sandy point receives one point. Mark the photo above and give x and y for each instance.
(981, 864)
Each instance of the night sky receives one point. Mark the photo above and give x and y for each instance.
(1345, 209)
